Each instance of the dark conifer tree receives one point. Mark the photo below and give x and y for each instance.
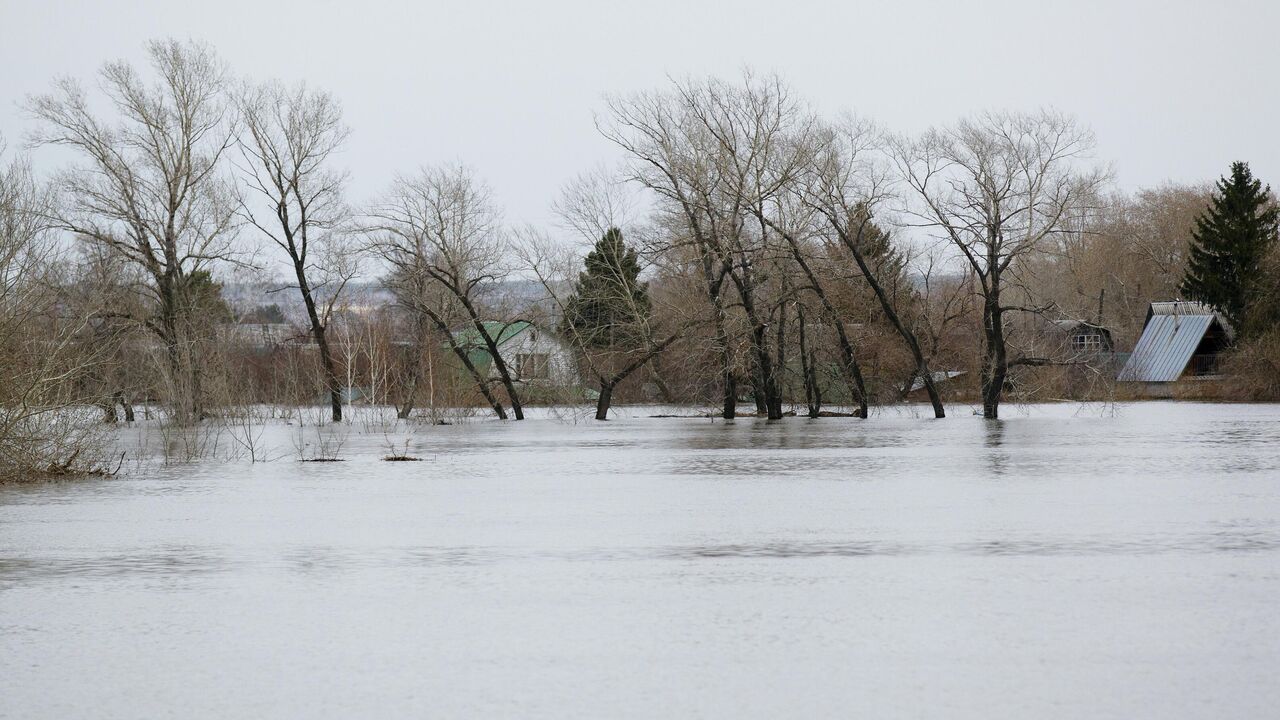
(609, 303)
(1230, 244)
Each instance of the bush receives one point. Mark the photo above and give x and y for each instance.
(1253, 368)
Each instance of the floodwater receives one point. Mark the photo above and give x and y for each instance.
(1065, 562)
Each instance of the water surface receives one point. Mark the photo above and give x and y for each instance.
(1062, 563)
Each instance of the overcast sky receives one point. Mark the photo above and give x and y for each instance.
(1174, 90)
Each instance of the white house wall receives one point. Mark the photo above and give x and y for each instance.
(562, 367)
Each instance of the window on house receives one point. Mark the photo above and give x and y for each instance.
(533, 366)
(1086, 342)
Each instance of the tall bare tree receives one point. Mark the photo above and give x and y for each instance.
(715, 153)
(668, 157)
(149, 186)
(289, 138)
(440, 231)
(845, 187)
(999, 187)
(43, 429)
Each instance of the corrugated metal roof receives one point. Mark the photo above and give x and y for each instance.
(1166, 346)
(1190, 307)
(1180, 307)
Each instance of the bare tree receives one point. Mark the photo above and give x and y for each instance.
(42, 428)
(788, 212)
(594, 202)
(998, 187)
(805, 255)
(715, 153)
(106, 290)
(668, 157)
(947, 303)
(290, 135)
(149, 188)
(440, 232)
(845, 187)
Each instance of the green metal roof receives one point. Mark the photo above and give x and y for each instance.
(473, 344)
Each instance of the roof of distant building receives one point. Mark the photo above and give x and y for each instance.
(1169, 340)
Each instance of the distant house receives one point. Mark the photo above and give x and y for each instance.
(1080, 338)
(1180, 340)
(533, 356)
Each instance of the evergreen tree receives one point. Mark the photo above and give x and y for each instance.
(203, 298)
(1230, 243)
(876, 246)
(609, 303)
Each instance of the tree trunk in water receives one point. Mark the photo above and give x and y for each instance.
(808, 363)
(405, 408)
(126, 404)
(848, 361)
(908, 384)
(728, 381)
(765, 388)
(990, 402)
(780, 363)
(481, 383)
(853, 373)
(995, 366)
(492, 400)
(931, 388)
(891, 312)
(766, 385)
(330, 374)
(664, 391)
(813, 393)
(319, 334)
(757, 392)
(608, 384)
(772, 396)
(602, 403)
(504, 373)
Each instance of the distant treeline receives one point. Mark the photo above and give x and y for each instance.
(747, 250)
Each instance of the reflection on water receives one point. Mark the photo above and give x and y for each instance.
(993, 440)
(168, 561)
(550, 569)
(179, 562)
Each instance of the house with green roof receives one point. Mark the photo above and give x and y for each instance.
(533, 355)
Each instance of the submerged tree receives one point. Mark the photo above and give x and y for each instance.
(1230, 244)
(150, 189)
(439, 231)
(716, 154)
(43, 426)
(999, 188)
(290, 135)
(844, 187)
